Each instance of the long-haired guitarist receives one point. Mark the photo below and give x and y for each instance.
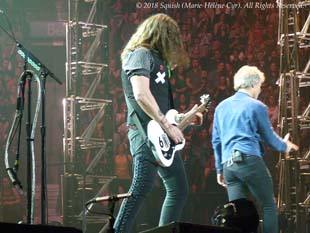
(146, 60)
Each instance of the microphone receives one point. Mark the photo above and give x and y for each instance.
(109, 198)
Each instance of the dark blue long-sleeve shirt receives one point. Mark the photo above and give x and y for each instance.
(242, 123)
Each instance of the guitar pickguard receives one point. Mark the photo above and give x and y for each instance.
(162, 146)
(167, 146)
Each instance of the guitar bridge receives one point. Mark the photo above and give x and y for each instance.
(165, 141)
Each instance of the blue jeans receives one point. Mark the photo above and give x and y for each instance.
(252, 175)
(145, 170)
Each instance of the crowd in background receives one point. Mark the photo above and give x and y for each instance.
(219, 41)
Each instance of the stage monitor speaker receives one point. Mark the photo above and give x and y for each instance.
(184, 227)
(25, 228)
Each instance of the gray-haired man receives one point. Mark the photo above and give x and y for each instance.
(241, 126)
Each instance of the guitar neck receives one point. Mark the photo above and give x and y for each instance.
(186, 121)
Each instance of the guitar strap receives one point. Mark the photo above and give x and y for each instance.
(137, 122)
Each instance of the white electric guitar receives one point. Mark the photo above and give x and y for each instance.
(162, 146)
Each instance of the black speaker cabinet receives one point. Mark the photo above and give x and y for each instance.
(25, 228)
(183, 227)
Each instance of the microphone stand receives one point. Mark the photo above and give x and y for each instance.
(28, 77)
(108, 228)
(43, 75)
(28, 56)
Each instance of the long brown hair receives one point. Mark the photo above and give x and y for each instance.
(161, 33)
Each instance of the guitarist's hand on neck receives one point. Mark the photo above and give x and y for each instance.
(194, 117)
(197, 119)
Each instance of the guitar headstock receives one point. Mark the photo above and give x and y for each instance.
(206, 101)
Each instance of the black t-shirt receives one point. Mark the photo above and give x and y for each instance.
(144, 62)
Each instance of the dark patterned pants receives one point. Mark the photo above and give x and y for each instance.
(145, 171)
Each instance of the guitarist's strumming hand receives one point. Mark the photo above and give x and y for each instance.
(173, 131)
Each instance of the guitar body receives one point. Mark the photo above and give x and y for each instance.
(162, 146)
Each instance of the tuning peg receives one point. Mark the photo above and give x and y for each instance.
(204, 98)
